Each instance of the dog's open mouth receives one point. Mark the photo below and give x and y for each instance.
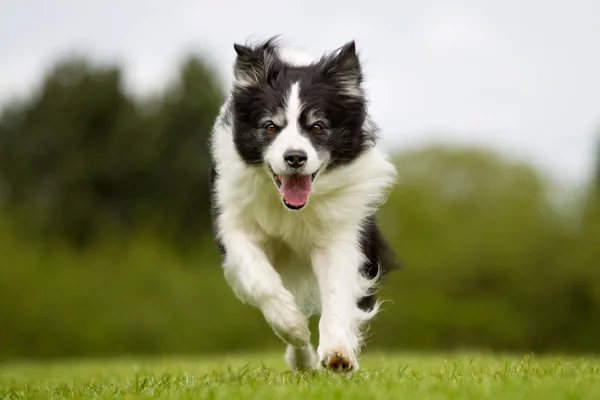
(294, 189)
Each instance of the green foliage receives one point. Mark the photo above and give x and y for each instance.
(401, 376)
(81, 157)
(489, 262)
(117, 298)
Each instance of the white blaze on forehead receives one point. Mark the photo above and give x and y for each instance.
(291, 136)
(293, 107)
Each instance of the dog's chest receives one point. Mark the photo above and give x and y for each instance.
(299, 230)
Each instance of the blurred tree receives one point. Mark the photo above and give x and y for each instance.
(61, 151)
(81, 157)
(180, 169)
(482, 247)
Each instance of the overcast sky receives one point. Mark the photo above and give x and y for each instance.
(519, 75)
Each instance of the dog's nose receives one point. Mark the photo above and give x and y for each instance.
(295, 158)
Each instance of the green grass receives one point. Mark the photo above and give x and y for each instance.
(408, 376)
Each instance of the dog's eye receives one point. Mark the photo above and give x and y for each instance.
(316, 128)
(271, 128)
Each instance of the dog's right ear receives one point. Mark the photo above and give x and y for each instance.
(253, 64)
(243, 51)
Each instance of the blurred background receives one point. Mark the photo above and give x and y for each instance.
(491, 111)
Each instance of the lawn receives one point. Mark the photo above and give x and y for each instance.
(382, 376)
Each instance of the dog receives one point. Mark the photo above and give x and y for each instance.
(296, 180)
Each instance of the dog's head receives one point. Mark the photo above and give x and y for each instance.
(297, 121)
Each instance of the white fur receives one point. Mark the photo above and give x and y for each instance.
(292, 264)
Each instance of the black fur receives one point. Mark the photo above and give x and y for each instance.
(381, 258)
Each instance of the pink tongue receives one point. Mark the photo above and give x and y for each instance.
(295, 189)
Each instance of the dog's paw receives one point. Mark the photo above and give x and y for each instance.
(339, 359)
(286, 319)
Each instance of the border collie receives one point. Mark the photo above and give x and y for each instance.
(296, 181)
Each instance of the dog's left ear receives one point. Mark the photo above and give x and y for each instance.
(344, 65)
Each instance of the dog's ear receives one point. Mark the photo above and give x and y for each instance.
(344, 66)
(243, 51)
(253, 65)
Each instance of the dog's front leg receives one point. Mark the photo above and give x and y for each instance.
(254, 280)
(337, 271)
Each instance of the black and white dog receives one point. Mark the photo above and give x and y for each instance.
(296, 180)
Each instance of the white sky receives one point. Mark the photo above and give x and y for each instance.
(522, 76)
